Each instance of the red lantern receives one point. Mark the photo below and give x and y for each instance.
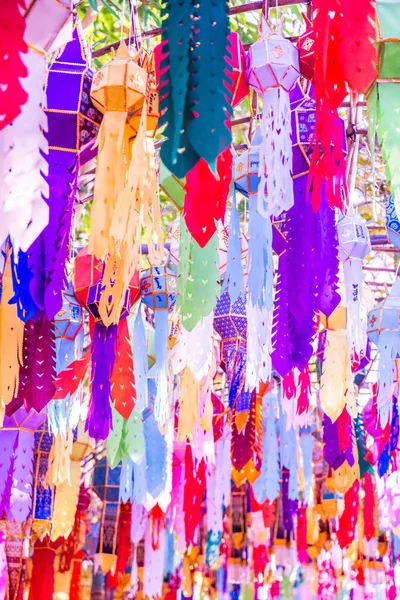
(89, 285)
(306, 46)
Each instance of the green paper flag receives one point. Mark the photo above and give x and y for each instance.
(198, 282)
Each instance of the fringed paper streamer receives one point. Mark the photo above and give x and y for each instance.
(65, 503)
(16, 562)
(306, 443)
(137, 207)
(370, 507)
(197, 284)
(266, 486)
(288, 455)
(357, 54)
(99, 419)
(36, 387)
(365, 465)
(195, 486)
(201, 215)
(11, 340)
(22, 275)
(348, 519)
(161, 403)
(288, 506)
(106, 485)
(338, 440)
(245, 444)
(259, 301)
(140, 362)
(326, 259)
(327, 587)
(122, 380)
(153, 563)
(328, 167)
(68, 380)
(234, 276)
(156, 456)
(24, 211)
(334, 380)
(3, 566)
(177, 496)
(124, 546)
(13, 95)
(138, 526)
(43, 562)
(125, 440)
(191, 135)
(275, 154)
(189, 398)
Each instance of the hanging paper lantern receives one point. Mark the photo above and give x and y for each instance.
(382, 329)
(305, 44)
(110, 350)
(158, 290)
(24, 212)
(272, 70)
(392, 222)
(69, 321)
(231, 323)
(73, 123)
(88, 285)
(106, 483)
(246, 167)
(354, 245)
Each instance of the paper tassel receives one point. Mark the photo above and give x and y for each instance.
(140, 362)
(326, 259)
(24, 212)
(275, 168)
(197, 284)
(99, 420)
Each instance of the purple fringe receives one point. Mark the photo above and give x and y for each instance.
(99, 419)
(325, 259)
